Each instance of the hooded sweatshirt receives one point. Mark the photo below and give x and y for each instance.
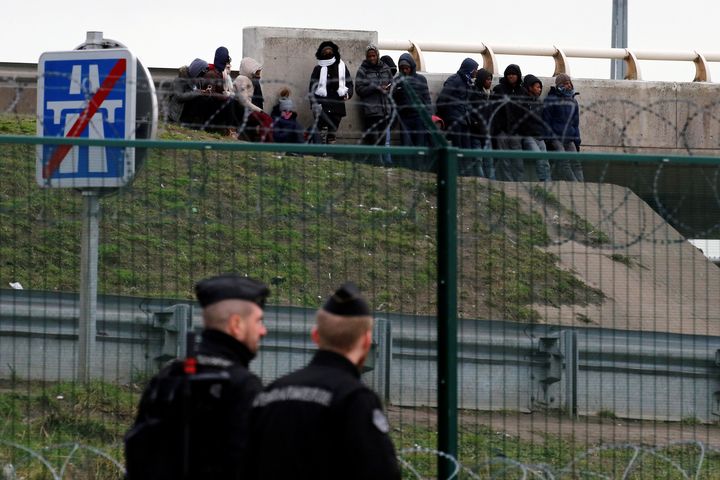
(453, 102)
(404, 84)
(511, 111)
(248, 67)
(532, 124)
(483, 105)
(562, 114)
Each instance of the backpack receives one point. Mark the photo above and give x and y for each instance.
(181, 413)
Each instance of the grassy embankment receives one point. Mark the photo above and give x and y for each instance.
(303, 223)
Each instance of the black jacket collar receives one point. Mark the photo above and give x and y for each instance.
(217, 343)
(326, 358)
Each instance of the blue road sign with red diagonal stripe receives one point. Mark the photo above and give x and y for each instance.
(86, 94)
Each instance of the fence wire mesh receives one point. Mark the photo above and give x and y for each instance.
(587, 323)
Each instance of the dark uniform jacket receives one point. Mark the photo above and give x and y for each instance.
(320, 422)
(212, 404)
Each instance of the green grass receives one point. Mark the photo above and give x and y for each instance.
(312, 221)
(50, 418)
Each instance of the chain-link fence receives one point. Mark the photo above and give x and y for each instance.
(547, 329)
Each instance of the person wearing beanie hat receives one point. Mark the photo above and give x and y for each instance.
(213, 382)
(322, 421)
(532, 127)
(562, 115)
(412, 99)
(286, 128)
(561, 79)
(331, 85)
(372, 85)
(511, 97)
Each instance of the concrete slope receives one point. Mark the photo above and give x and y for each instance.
(653, 278)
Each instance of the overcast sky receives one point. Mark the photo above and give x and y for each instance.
(170, 34)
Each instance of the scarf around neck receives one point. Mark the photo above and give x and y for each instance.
(321, 90)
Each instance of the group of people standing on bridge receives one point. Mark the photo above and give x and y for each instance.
(469, 111)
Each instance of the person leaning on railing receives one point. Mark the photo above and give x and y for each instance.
(562, 115)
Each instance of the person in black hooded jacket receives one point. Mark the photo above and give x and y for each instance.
(505, 125)
(331, 85)
(453, 103)
(412, 99)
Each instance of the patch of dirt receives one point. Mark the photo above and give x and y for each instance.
(586, 430)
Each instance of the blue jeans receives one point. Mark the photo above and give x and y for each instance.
(509, 169)
(542, 165)
(571, 171)
(487, 169)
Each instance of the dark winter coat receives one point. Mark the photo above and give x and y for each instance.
(483, 105)
(562, 115)
(333, 104)
(320, 422)
(213, 405)
(287, 130)
(532, 123)
(403, 84)
(370, 83)
(511, 109)
(453, 102)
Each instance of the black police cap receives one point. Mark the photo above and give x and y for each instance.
(347, 302)
(231, 286)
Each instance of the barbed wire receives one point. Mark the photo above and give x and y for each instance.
(14, 467)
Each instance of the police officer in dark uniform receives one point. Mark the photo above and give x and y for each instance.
(322, 422)
(192, 419)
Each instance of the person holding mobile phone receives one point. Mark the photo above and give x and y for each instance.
(373, 84)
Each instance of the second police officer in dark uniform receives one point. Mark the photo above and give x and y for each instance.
(321, 421)
(192, 418)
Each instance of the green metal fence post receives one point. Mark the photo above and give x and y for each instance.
(446, 160)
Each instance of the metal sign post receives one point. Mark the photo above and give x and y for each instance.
(92, 92)
(88, 282)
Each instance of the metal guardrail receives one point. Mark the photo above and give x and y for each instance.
(560, 55)
(501, 365)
